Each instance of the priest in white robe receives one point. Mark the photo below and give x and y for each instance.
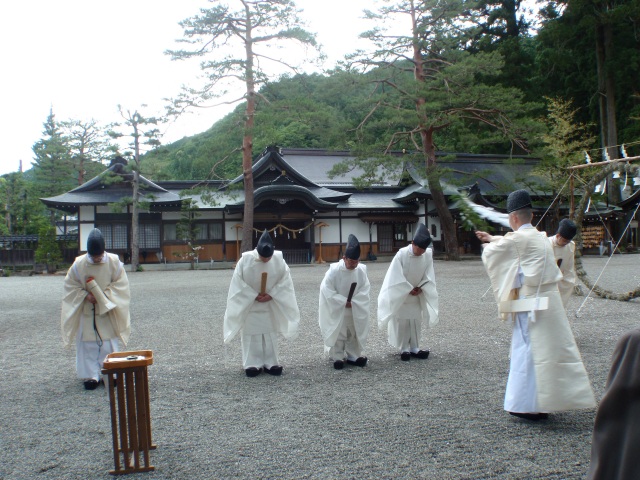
(260, 310)
(95, 308)
(546, 372)
(343, 310)
(408, 297)
(564, 251)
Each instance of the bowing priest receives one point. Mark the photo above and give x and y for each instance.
(261, 304)
(564, 251)
(343, 312)
(546, 372)
(408, 297)
(95, 308)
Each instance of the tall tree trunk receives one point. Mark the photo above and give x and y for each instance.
(612, 128)
(600, 69)
(607, 103)
(447, 226)
(247, 142)
(135, 207)
(135, 249)
(81, 166)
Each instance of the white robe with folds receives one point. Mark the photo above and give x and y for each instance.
(405, 272)
(77, 317)
(244, 313)
(565, 256)
(521, 265)
(334, 290)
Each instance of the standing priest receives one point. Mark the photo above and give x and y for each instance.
(344, 308)
(564, 250)
(546, 373)
(95, 308)
(260, 305)
(408, 296)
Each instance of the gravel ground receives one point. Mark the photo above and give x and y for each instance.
(439, 418)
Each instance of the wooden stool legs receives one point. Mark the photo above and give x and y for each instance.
(130, 419)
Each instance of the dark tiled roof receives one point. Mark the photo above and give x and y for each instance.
(272, 161)
(315, 165)
(286, 191)
(99, 191)
(417, 191)
(382, 201)
(489, 172)
(631, 201)
(71, 200)
(274, 171)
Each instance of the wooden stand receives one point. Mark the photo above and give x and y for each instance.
(128, 386)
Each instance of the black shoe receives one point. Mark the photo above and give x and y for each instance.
(421, 354)
(530, 416)
(275, 370)
(359, 362)
(405, 356)
(252, 371)
(91, 384)
(338, 364)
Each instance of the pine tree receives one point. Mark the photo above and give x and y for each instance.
(143, 133)
(233, 38)
(52, 166)
(425, 85)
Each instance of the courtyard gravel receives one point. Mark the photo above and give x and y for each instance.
(440, 418)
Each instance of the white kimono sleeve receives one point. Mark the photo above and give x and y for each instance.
(501, 262)
(72, 303)
(283, 305)
(119, 293)
(568, 269)
(239, 300)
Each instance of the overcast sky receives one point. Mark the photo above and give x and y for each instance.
(82, 58)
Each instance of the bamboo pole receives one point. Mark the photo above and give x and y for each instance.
(608, 162)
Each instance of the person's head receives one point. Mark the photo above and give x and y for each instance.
(265, 246)
(421, 240)
(566, 231)
(95, 245)
(519, 208)
(352, 253)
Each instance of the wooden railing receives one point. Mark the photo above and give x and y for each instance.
(293, 257)
(19, 257)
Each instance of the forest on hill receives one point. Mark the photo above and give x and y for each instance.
(570, 85)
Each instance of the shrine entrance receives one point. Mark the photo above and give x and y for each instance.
(289, 225)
